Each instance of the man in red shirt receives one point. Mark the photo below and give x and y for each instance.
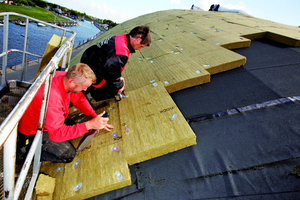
(66, 87)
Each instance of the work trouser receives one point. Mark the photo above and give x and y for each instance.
(58, 152)
(23, 145)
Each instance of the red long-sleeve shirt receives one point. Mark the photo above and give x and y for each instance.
(57, 112)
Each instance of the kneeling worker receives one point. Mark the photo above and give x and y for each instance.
(66, 87)
(108, 59)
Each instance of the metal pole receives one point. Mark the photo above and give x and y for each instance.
(64, 33)
(5, 39)
(63, 67)
(9, 160)
(24, 62)
(16, 114)
(26, 166)
(37, 157)
(8, 128)
(36, 165)
(35, 149)
(71, 49)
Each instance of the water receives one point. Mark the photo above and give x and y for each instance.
(38, 37)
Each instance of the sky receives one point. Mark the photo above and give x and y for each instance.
(284, 12)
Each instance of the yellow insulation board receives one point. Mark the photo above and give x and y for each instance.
(180, 64)
(285, 34)
(52, 46)
(183, 33)
(105, 138)
(98, 164)
(187, 48)
(102, 138)
(96, 173)
(146, 120)
(54, 170)
(156, 50)
(147, 113)
(138, 75)
(205, 26)
(185, 65)
(175, 71)
(44, 187)
(216, 61)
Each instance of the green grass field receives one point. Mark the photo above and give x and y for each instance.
(35, 12)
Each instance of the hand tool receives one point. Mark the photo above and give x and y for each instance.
(87, 137)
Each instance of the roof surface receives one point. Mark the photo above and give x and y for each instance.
(246, 119)
(251, 154)
(239, 102)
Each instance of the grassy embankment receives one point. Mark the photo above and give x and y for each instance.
(34, 12)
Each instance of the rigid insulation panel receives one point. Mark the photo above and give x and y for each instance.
(153, 125)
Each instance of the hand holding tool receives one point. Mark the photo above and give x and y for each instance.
(88, 137)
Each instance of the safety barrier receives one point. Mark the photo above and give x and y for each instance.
(8, 128)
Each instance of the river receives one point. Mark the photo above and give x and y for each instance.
(38, 37)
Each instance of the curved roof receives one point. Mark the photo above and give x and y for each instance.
(232, 81)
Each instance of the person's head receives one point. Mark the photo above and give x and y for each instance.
(78, 78)
(140, 37)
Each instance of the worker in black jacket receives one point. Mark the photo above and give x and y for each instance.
(108, 59)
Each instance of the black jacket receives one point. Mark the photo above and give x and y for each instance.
(108, 59)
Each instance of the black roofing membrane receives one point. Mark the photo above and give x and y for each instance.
(248, 155)
(231, 89)
(284, 80)
(227, 161)
(277, 66)
(276, 181)
(247, 183)
(265, 53)
(257, 138)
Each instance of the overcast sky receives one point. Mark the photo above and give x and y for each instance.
(285, 12)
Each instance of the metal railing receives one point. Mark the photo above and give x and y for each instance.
(24, 52)
(8, 128)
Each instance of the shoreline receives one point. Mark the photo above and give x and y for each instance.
(60, 24)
